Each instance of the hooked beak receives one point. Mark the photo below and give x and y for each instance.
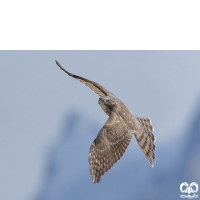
(99, 101)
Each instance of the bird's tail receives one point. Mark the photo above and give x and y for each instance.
(146, 138)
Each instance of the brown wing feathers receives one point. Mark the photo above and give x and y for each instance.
(97, 88)
(102, 161)
(106, 150)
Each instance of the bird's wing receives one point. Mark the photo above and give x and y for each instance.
(145, 138)
(108, 147)
(97, 88)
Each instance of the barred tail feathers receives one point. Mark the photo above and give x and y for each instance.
(146, 139)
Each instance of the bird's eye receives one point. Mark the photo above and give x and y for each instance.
(104, 100)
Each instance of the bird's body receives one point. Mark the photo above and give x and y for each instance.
(115, 136)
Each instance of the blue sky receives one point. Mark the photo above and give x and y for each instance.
(36, 95)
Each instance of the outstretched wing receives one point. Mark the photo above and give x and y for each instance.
(146, 139)
(97, 88)
(109, 146)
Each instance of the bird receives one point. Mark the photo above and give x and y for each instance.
(116, 134)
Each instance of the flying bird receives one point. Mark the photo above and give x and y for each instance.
(116, 134)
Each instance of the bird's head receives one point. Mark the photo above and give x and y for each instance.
(108, 104)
